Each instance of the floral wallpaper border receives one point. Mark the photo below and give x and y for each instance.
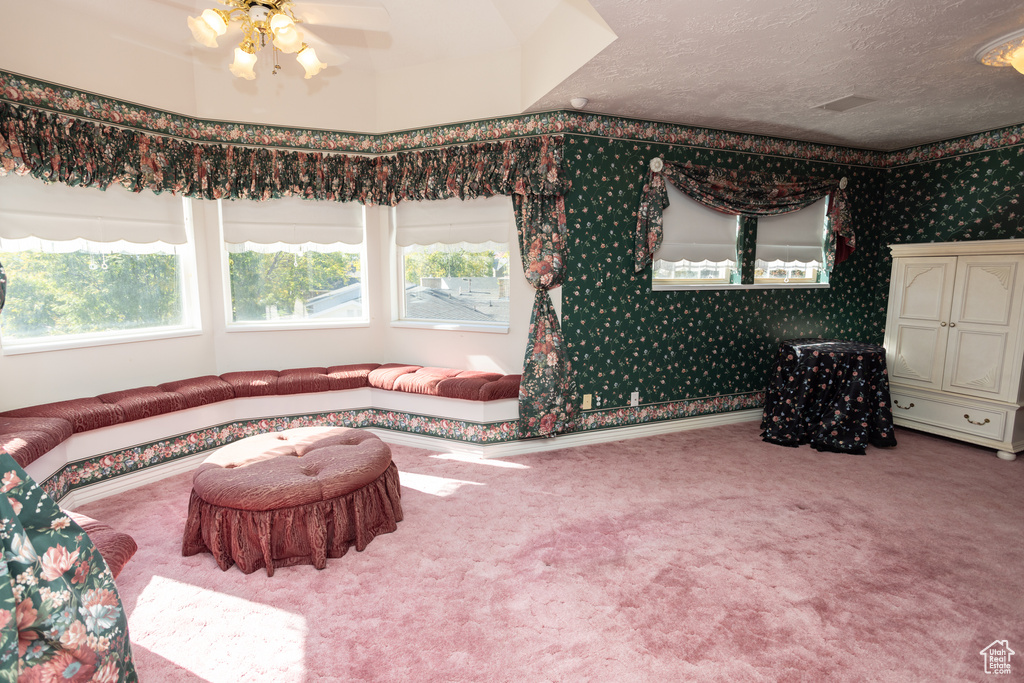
(113, 464)
(672, 410)
(21, 90)
(116, 463)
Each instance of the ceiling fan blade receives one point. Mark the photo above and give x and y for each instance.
(327, 52)
(346, 16)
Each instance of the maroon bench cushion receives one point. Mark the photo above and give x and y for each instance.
(83, 413)
(506, 387)
(200, 391)
(385, 376)
(350, 376)
(26, 439)
(144, 402)
(255, 383)
(466, 385)
(303, 380)
(423, 381)
(115, 547)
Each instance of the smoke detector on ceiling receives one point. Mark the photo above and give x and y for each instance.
(578, 102)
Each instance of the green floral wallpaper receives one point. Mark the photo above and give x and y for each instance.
(971, 197)
(673, 346)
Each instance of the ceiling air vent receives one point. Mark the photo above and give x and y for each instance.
(845, 103)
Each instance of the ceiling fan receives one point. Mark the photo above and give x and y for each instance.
(274, 23)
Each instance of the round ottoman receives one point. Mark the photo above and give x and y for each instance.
(293, 497)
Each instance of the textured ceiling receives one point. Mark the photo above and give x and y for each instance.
(765, 66)
(751, 66)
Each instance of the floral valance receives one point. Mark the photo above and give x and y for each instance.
(60, 148)
(748, 193)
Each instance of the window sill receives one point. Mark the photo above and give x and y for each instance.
(293, 326)
(83, 341)
(450, 326)
(791, 285)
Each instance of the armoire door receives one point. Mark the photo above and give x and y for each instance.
(919, 316)
(983, 320)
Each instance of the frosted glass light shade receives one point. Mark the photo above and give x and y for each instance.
(280, 21)
(216, 21)
(308, 59)
(243, 64)
(1017, 60)
(202, 31)
(287, 38)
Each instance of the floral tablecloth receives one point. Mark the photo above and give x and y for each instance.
(61, 617)
(833, 395)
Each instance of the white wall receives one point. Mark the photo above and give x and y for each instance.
(32, 378)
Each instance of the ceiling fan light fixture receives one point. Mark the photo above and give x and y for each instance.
(287, 38)
(217, 20)
(309, 61)
(245, 60)
(208, 25)
(1005, 51)
(279, 21)
(261, 22)
(1017, 60)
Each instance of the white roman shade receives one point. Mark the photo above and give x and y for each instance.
(693, 232)
(292, 221)
(32, 211)
(452, 221)
(796, 236)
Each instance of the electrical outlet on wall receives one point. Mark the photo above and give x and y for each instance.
(634, 399)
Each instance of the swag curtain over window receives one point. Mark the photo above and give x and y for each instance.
(748, 193)
(59, 148)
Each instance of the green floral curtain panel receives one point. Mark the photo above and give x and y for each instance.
(747, 193)
(547, 393)
(62, 618)
(3, 287)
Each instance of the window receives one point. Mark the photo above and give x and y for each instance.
(700, 247)
(453, 261)
(698, 244)
(88, 267)
(294, 263)
(790, 247)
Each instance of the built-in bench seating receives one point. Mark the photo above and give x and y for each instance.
(28, 433)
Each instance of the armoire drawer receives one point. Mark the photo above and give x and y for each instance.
(984, 421)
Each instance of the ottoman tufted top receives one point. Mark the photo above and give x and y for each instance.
(290, 468)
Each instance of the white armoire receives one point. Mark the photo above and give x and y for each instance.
(954, 340)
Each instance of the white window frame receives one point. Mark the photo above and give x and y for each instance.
(685, 220)
(805, 220)
(664, 284)
(189, 287)
(231, 325)
(397, 260)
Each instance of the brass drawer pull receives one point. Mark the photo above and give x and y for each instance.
(968, 418)
(897, 404)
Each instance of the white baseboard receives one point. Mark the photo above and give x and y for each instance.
(502, 450)
(595, 436)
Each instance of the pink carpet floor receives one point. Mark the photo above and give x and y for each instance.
(705, 555)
